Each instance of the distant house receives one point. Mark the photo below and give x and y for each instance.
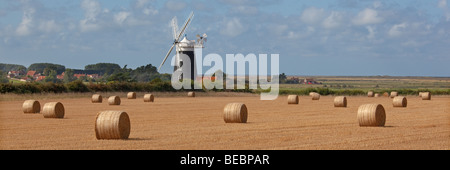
(310, 81)
(31, 73)
(93, 76)
(293, 80)
(15, 74)
(39, 78)
(61, 76)
(79, 75)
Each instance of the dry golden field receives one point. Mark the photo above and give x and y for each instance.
(182, 123)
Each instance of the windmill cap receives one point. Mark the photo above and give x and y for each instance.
(187, 43)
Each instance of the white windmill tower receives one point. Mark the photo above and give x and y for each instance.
(185, 47)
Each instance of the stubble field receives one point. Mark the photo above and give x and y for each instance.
(182, 123)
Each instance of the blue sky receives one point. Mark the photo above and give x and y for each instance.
(335, 37)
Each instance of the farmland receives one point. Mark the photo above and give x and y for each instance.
(175, 121)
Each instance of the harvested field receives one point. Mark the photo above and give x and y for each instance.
(197, 123)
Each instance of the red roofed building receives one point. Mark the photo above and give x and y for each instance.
(39, 78)
(31, 73)
(94, 76)
(79, 75)
(15, 74)
(61, 76)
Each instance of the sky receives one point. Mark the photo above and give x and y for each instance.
(328, 37)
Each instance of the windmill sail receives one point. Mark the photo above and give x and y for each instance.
(176, 37)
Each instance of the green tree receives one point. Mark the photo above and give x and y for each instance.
(121, 77)
(39, 67)
(51, 77)
(11, 67)
(68, 76)
(104, 68)
(3, 78)
(144, 73)
(282, 78)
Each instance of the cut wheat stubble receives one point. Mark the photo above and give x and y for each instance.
(31, 106)
(235, 113)
(112, 125)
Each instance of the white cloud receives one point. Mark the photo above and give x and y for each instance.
(377, 4)
(49, 26)
(232, 27)
(141, 3)
(442, 4)
(334, 20)
(246, 10)
(367, 16)
(86, 26)
(397, 29)
(312, 15)
(175, 5)
(148, 11)
(24, 27)
(293, 35)
(91, 10)
(278, 29)
(371, 32)
(120, 17)
(412, 43)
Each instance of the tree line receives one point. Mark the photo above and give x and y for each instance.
(107, 72)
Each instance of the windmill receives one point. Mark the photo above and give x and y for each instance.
(184, 46)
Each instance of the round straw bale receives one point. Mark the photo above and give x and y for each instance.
(31, 106)
(399, 101)
(371, 115)
(377, 95)
(191, 94)
(311, 93)
(235, 113)
(114, 100)
(426, 96)
(148, 98)
(315, 96)
(112, 125)
(420, 94)
(386, 94)
(370, 94)
(131, 95)
(292, 99)
(393, 94)
(96, 98)
(340, 101)
(53, 110)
